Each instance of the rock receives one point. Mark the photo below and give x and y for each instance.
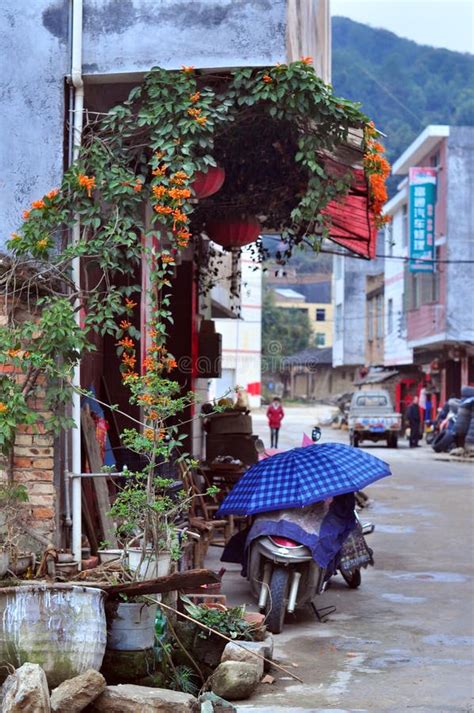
(235, 680)
(74, 695)
(244, 651)
(128, 698)
(26, 691)
(219, 705)
(268, 650)
(128, 666)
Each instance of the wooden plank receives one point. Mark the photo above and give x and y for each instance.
(177, 580)
(100, 484)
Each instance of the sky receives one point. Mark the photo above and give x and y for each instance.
(439, 23)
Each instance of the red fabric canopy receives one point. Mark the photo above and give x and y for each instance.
(351, 223)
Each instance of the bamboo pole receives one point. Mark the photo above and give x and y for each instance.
(232, 641)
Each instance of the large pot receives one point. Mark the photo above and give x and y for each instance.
(133, 627)
(4, 562)
(62, 627)
(152, 566)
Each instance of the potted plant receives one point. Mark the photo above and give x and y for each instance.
(147, 511)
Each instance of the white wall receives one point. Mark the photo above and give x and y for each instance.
(396, 350)
(242, 338)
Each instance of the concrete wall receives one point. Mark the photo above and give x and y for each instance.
(395, 341)
(34, 48)
(349, 293)
(131, 36)
(460, 234)
(242, 338)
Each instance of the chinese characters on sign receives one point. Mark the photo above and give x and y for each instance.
(422, 219)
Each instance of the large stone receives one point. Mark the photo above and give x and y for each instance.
(127, 698)
(26, 691)
(74, 695)
(235, 680)
(245, 651)
(219, 705)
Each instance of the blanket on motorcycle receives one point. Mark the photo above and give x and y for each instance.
(320, 527)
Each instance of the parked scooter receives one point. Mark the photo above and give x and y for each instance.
(282, 571)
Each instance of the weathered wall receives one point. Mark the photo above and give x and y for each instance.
(130, 36)
(34, 62)
(309, 33)
(349, 292)
(33, 463)
(460, 234)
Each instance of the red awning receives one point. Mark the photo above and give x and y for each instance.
(351, 223)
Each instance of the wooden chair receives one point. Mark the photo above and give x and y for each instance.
(202, 510)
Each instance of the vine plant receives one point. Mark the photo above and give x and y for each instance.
(146, 152)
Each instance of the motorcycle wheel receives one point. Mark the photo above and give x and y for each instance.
(352, 578)
(278, 599)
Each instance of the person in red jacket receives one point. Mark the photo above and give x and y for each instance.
(275, 415)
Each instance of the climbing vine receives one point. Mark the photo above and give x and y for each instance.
(131, 193)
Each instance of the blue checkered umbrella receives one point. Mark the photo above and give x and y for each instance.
(303, 476)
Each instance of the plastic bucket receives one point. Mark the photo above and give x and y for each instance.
(133, 627)
(153, 565)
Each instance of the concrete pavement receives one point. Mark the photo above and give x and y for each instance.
(404, 640)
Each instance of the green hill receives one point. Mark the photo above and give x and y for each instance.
(401, 85)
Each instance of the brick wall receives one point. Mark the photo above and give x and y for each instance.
(33, 462)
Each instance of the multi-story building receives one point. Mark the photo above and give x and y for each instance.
(349, 303)
(241, 337)
(375, 317)
(429, 313)
(319, 311)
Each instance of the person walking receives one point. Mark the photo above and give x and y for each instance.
(275, 416)
(413, 416)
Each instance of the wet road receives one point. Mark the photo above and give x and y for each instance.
(404, 640)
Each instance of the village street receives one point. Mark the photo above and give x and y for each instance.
(403, 641)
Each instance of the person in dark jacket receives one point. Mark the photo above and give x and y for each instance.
(413, 417)
(275, 415)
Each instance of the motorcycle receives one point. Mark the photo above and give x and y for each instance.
(282, 549)
(282, 571)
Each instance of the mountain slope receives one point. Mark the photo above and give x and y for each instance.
(401, 85)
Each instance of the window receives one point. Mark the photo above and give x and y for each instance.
(404, 225)
(412, 283)
(370, 320)
(320, 315)
(338, 320)
(373, 400)
(389, 239)
(320, 339)
(402, 323)
(390, 316)
(379, 305)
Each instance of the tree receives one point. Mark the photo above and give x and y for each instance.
(284, 330)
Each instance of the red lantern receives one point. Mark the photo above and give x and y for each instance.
(207, 183)
(234, 233)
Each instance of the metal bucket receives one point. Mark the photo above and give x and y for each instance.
(62, 627)
(133, 627)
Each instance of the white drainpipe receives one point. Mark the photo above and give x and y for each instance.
(78, 84)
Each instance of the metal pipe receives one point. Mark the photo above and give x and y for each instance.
(78, 84)
(267, 573)
(96, 475)
(295, 583)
